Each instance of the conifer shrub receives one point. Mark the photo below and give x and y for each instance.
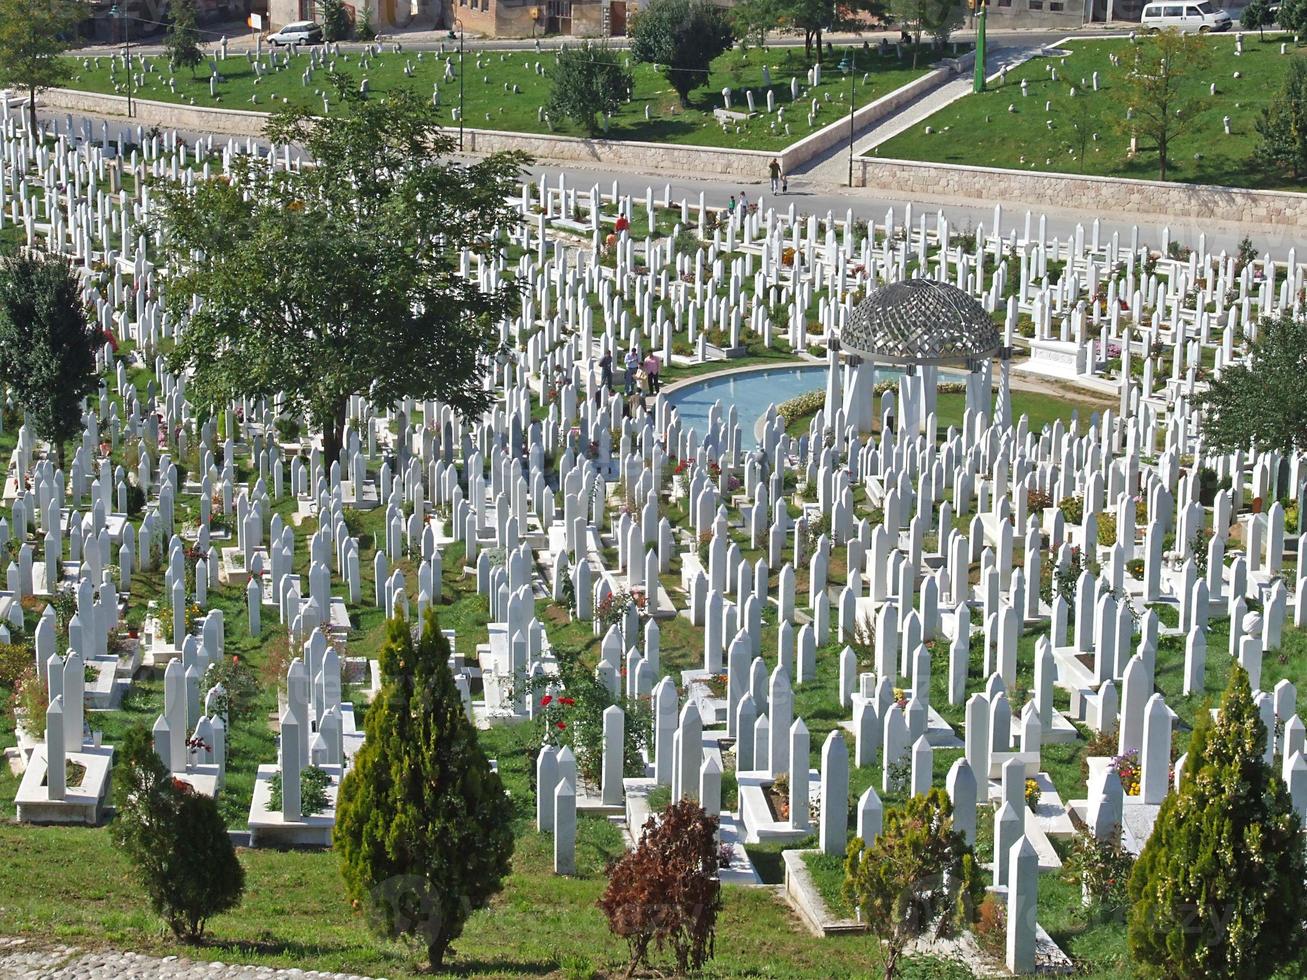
(423, 825)
(175, 839)
(1220, 889)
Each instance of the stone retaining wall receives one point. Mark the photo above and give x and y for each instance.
(678, 158)
(1159, 199)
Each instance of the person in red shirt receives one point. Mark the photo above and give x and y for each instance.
(622, 223)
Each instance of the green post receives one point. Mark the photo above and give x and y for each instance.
(978, 85)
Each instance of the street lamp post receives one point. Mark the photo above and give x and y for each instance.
(120, 15)
(849, 66)
(459, 24)
(978, 78)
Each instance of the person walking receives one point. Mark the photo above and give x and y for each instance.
(774, 168)
(652, 364)
(606, 370)
(632, 365)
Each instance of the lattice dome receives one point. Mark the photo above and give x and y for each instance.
(920, 321)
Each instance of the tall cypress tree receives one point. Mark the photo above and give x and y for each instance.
(423, 826)
(1218, 891)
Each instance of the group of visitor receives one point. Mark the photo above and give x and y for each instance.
(640, 378)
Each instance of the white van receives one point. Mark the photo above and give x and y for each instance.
(1187, 17)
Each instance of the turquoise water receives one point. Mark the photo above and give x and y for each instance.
(750, 392)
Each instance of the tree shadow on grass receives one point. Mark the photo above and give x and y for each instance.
(499, 967)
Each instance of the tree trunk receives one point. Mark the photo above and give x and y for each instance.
(31, 107)
(59, 455)
(891, 962)
(436, 953)
(333, 433)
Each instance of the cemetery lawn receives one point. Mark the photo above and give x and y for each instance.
(491, 104)
(978, 130)
(1041, 409)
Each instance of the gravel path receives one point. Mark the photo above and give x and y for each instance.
(28, 960)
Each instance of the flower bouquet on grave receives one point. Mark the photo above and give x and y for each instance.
(900, 699)
(1032, 794)
(1128, 770)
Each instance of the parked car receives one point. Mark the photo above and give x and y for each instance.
(1186, 17)
(300, 32)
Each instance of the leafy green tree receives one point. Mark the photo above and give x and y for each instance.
(918, 874)
(365, 31)
(47, 345)
(423, 826)
(33, 36)
(816, 17)
(1256, 16)
(1263, 401)
(755, 19)
(1293, 17)
(1218, 891)
(1283, 126)
(335, 20)
(936, 18)
(1155, 86)
(342, 278)
(681, 37)
(588, 81)
(183, 39)
(175, 839)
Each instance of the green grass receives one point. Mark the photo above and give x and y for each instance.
(827, 873)
(978, 130)
(1039, 408)
(489, 106)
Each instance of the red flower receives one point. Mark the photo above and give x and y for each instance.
(560, 725)
(567, 701)
(546, 699)
(235, 658)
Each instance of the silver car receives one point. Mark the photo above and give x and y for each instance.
(300, 32)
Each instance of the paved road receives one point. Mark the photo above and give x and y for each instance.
(819, 198)
(240, 38)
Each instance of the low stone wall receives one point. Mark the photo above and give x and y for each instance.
(674, 157)
(1159, 199)
(679, 158)
(165, 115)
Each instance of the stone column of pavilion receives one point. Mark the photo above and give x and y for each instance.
(919, 326)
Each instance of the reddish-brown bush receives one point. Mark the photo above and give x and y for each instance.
(666, 892)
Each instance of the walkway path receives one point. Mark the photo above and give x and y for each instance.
(21, 958)
(1010, 50)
